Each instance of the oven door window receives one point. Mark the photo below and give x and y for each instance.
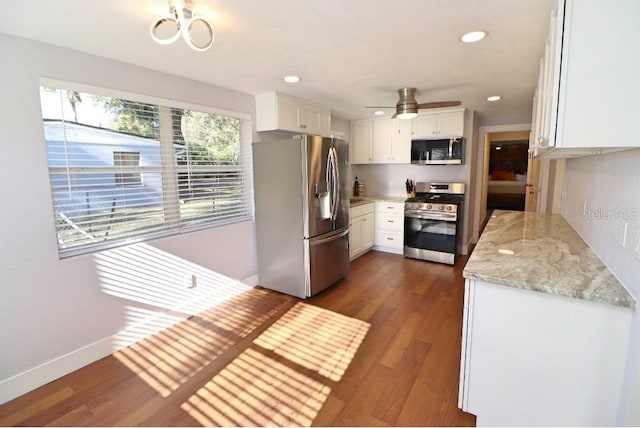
(430, 234)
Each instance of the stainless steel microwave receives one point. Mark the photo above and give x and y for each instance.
(449, 151)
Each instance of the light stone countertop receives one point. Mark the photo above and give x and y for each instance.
(543, 253)
(361, 200)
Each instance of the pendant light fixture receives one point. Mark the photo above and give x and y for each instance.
(183, 21)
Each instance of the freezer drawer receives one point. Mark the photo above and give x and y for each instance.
(328, 260)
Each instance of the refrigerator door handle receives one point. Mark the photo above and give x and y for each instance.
(336, 181)
(331, 180)
(329, 239)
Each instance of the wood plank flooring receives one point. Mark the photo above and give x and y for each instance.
(404, 373)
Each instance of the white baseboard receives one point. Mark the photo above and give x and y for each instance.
(38, 376)
(35, 377)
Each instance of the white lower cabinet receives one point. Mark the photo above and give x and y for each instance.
(361, 227)
(389, 231)
(535, 359)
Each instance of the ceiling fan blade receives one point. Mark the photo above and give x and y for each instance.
(439, 104)
(380, 106)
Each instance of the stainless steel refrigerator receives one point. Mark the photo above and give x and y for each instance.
(302, 213)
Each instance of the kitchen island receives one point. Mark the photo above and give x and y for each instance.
(545, 329)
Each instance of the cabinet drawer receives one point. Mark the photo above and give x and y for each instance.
(389, 238)
(360, 210)
(390, 207)
(390, 222)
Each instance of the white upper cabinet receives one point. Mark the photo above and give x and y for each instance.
(381, 141)
(391, 141)
(361, 141)
(279, 112)
(588, 85)
(441, 124)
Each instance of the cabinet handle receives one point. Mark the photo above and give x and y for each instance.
(389, 239)
(390, 221)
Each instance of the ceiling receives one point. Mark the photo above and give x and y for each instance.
(349, 53)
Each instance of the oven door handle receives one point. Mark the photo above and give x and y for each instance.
(430, 216)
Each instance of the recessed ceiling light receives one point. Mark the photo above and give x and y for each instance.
(493, 98)
(291, 79)
(473, 36)
(378, 112)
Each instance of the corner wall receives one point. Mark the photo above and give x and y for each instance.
(51, 308)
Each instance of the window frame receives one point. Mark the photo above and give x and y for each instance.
(168, 169)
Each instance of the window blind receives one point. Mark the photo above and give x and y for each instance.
(123, 171)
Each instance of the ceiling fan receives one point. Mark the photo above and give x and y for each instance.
(407, 106)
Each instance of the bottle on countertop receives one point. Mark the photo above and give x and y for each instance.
(355, 187)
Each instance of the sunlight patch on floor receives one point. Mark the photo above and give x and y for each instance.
(255, 390)
(167, 359)
(284, 378)
(315, 338)
(180, 316)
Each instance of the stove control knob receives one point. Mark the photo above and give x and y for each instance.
(429, 206)
(449, 208)
(441, 207)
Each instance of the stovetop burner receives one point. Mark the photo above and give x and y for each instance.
(439, 198)
(438, 193)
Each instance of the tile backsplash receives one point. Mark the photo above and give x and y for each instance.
(601, 200)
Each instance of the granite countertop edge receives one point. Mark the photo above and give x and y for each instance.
(543, 253)
(361, 200)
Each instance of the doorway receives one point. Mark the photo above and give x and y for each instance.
(508, 173)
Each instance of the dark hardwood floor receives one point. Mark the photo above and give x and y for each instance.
(214, 369)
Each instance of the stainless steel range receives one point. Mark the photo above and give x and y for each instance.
(433, 220)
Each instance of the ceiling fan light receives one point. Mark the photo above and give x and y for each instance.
(409, 115)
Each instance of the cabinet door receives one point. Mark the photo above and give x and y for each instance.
(287, 114)
(382, 136)
(310, 119)
(450, 124)
(599, 87)
(361, 141)
(425, 126)
(401, 141)
(367, 231)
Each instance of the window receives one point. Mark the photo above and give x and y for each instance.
(123, 170)
(126, 160)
